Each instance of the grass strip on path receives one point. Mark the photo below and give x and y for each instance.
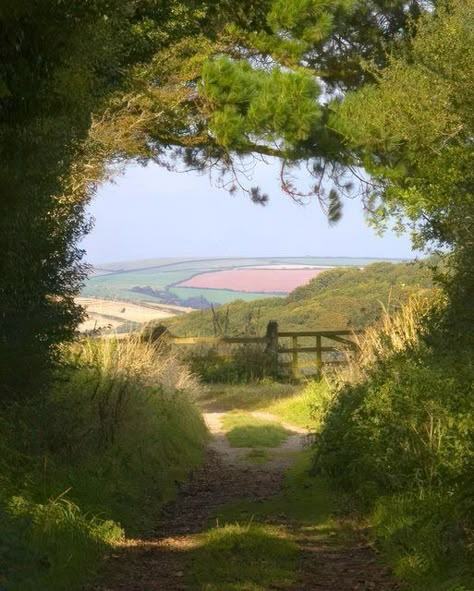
(306, 501)
(245, 557)
(244, 430)
(255, 545)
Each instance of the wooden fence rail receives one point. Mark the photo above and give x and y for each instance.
(275, 348)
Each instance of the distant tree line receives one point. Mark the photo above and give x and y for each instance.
(167, 297)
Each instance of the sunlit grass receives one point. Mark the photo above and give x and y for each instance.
(245, 557)
(121, 433)
(306, 500)
(244, 554)
(297, 408)
(244, 430)
(226, 397)
(298, 405)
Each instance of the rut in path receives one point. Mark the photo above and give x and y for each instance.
(160, 561)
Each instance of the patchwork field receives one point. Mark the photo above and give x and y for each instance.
(262, 279)
(200, 283)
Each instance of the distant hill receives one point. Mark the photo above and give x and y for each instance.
(339, 298)
(202, 283)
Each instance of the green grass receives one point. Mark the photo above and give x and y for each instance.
(249, 557)
(294, 409)
(115, 446)
(306, 501)
(243, 553)
(244, 430)
(255, 396)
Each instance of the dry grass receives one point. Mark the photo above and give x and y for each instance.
(138, 360)
(392, 334)
(120, 432)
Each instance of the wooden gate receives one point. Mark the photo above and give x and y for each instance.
(318, 349)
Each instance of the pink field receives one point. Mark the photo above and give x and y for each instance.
(254, 280)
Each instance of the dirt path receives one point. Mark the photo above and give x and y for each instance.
(160, 561)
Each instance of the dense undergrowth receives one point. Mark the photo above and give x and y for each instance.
(117, 433)
(244, 364)
(397, 433)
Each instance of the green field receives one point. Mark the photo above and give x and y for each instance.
(217, 296)
(156, 278)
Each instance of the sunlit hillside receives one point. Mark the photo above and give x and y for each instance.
(342, 298)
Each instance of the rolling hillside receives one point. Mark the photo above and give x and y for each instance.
(336, 299)
(118, 316)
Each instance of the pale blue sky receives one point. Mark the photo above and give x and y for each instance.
(150, 213)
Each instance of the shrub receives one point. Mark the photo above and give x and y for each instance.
(117, 434)
(233, 365)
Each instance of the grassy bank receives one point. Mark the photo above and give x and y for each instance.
(394, 435)
(398, 436)
(117, 433)
(337, 298)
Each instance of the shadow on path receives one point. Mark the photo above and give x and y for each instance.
(162, 560)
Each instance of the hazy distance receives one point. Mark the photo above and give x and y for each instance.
(149, 212)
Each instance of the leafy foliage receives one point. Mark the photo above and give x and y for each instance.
(238, 365)
(412, 130)
(64, 69)
(113, 81)
(249, 105)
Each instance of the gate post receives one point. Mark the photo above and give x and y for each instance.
(295, 371)
(271, 348)
(319, 358)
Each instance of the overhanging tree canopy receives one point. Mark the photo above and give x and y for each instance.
(204, 83)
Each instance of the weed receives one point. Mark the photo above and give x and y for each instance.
(397, 435)
(244, 364)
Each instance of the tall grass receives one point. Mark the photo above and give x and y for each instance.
(230, 364)
(397, 434)
(393, 334)
(117, 433)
